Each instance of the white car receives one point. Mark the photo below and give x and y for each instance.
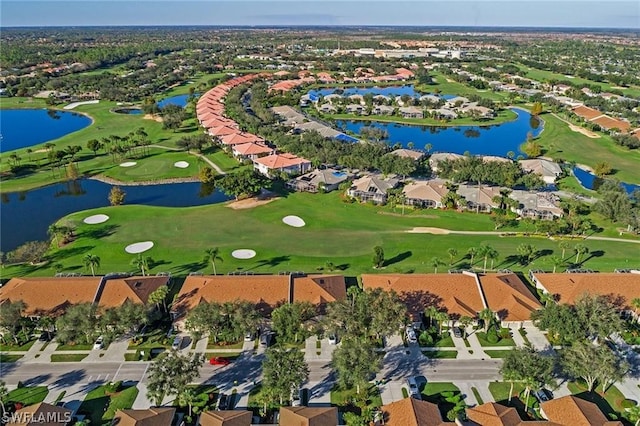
(410, 334)
(99, 343)
(333, 339)
(414, 391)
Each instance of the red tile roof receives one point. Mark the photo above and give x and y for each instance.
(281, 161)
(571, 410)
(251, 148)
(412, 412)
(239, 138)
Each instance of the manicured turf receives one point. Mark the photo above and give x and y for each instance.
(10, 348)
(500, 390)
(78, 347)
(560, 142)
(482, 338)
(448, 354)
(68, 357)
(477, 395)
(101, 408)
(159, 164)
(212, 345)
(454, 88)
(340, 397)
(497, 354)
(28, 395)
(339, 232)
(9, 358)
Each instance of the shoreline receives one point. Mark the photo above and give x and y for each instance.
(111, 181)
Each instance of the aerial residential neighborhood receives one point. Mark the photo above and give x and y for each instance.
(244, 213)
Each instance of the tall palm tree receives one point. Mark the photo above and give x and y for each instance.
(54, 230)
(435, 262)
(465, 321)
(557, 261)
(187, 397)
(580, 249)
(487, 315)
(141, 262)
(564, 245)
(493, 255)
(213, 254)
(92, 261)
(472, 251)
(442, 317)
(452, 253)
(431, 312)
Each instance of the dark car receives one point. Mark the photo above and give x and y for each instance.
(219, 360)
(223, 400)
(457, 332)
(45, 337)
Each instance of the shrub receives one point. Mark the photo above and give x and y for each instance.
(113, 387)
(505, 333)
(425, 339)
(628, 403)
(492, 337)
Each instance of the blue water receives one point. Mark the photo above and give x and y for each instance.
(339, 174)
(129, 111)
(386, 91)
(180, 100)
(21, 128)
(24, 217)
(591, 181)
(497, 139)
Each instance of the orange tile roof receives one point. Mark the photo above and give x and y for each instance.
(586, 112)
(607, 123)
(222, 130)
(266, 291)
(508, 296)
(49, 295)
(412, 412)
(134, 289)
(220, 121)
(571, 410)
(492, 414)
(239, 137)
(280, 161)
(226, 418)
(39, 411)
(455, 293)
(155, 416)
(251, 148)
(569, 287)
(309, 416)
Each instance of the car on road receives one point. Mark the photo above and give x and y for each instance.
(219, 360)
(177, 343)
(223, 401)
(99, 343)
(457, 332)
(333, 339)
(410, 334)
(414, 391)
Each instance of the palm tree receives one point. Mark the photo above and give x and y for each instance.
(557, 261)
(493, 255)
(564, 245)
(452, 253)
(465, 321)
(442, 317)
(435, 262)
(431, 312)
(141, 262)
(54, 230)
(92, 261)
(213, 254)
(580, 249)
(487, 315)
(487, 252)
(635, 303)
(187, 397)
(472, 251)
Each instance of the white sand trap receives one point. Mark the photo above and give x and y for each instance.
(294, 221)
(181, 164)
(128, 164)
(138, 247)
(96, 218)
(243, 254)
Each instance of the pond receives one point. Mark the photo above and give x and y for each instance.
(591, 181)
(24, 219)
(27, 127)
(128, 111)
(497, 139)
(386, 91)
(179, 100)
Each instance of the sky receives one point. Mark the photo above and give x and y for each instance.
(483, 13)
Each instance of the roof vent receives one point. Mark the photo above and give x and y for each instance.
(321, 281)
(137, 284)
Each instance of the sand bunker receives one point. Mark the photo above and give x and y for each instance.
(427, 230)
(243, 254)
(294, 221)
(96, 218)
(138, 247)
(181, 164)
(128, 164)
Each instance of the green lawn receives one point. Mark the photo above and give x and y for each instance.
(500, 390)
(68, 357)
(454, 88)
(12, 347)
(340, 397)
(477, 395)
(9, 358)
(496, 354)
(212, 345)
(340, 232)
(440, 354)
(482, 338)
(560, 142)
(433, 392)
(75, 347)
(154, 339)
(158, 164)
(610, 402)
(101, 407)
(28, 395)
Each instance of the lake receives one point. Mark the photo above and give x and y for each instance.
(25, 216)
(497, 139)
(179, 100)
(27, 127)
(386, 91)
(591, 181)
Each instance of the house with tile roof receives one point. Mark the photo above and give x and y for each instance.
(408, 153)
(492, 414)
(571, 410)
(309, 416)
(251, 150)
(239, 138)
(548, 170)
(283, 162)
(225, 418)
(372, 188)
(326, 179)
(154, 416)
(41, 414)
(480, 198)
(425, 193)
(459, 295)
(536, 205)
(621, 288)
(51, 296)
(265, 291)
(411, 412)
(411, 112)
(442, 156)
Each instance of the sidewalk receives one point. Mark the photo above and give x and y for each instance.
(537, 339)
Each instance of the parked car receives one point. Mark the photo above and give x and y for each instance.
(45, 337)
(177, 343)
(410, 334)
(414, 391)
(219, 360)
(249, 336)
(99, 343)
(223, 401)
(333, 339)
(542, 395)
(265, 338)
(457, 332)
